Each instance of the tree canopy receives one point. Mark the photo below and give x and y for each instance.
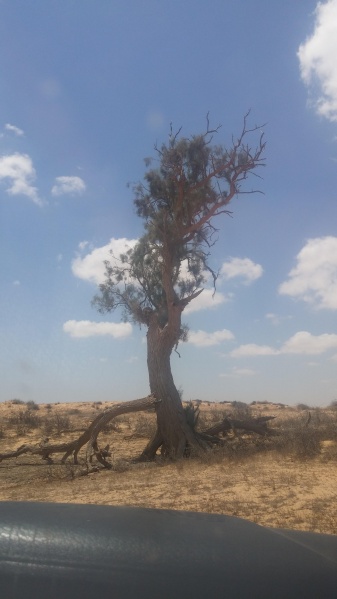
(193, 182)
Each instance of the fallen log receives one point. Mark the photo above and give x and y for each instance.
(254, 425)
(89, 436)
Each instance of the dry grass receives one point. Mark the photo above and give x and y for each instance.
(288, 480)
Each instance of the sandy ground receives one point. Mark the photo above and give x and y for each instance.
(268, 488)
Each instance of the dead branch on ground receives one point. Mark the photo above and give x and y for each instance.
(89, 436)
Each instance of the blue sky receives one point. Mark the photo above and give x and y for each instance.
(86, 90)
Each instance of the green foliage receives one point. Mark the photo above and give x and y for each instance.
(192, 183)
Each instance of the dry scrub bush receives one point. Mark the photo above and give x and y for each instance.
(302, 437)
(240, 410)
(120, 465)
(145, 426)
(31, 405)
(58, 472)
(24, 421)
(56, 423)
(302, 406)
(237, 449)
(210, 417)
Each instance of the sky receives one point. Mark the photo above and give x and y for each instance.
(86, 91)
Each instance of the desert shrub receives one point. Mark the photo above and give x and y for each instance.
(74, 411)
(333, 405)
(17, 402)
(241, 410)
(56, 423)
(112, 426)
(236, 449)
(31, 405)
(24, 421)
(302, 437)
(2, 432)
(49, 407)
(145, 426)
(120, 465)
(60, 472)
(209, 418)
(302, 406)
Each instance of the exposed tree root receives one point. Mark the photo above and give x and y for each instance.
(195, 441)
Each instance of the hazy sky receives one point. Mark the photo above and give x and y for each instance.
(86, 90)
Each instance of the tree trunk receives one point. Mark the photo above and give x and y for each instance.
(173, 433)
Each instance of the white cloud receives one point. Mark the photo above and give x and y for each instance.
(206, 300)
(86, 328)
(238, 372)
(305, 343)
(203, 339)
(82, 245)
(18, 168)
(68, 185)
(16, 283)
(252, 349)
(14, 129)
(243, 268)
(91, 267)
(314, 278)
(275, 318)
(317, 57)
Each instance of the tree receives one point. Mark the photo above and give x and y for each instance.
(192, 183)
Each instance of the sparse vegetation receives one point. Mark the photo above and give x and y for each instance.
(302, 406)
(24, 421)
(56, 423)
(145, 426)
(31, 405)
(284, 480)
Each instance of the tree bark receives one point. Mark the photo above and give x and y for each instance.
(173, 432)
